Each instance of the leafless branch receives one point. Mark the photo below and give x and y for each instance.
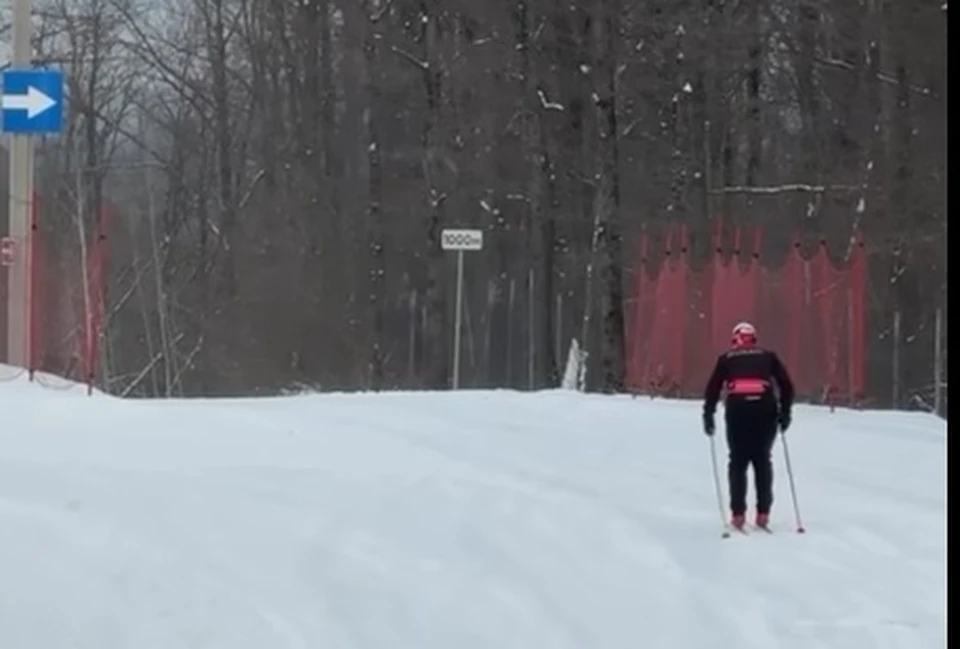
(783, 189)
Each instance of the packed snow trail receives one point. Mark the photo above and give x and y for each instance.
(490, 520)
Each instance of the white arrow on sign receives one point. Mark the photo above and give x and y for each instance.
(34, 102)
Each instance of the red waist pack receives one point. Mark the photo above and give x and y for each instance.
(747, 387)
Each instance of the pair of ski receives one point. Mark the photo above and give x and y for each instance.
(730, 529)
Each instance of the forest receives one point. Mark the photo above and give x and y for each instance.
(268, 180)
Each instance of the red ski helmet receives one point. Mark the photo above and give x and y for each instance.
(744, 335)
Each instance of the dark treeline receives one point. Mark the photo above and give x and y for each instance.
(280, 170)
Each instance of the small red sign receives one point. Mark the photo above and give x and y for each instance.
(7, 251)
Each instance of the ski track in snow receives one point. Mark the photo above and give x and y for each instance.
(469, 520)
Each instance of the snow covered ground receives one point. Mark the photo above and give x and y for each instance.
(490, 520)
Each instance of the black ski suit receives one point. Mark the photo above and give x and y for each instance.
(759, 396)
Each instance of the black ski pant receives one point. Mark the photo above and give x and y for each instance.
(750, 439)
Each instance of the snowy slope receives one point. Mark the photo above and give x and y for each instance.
(452, 521)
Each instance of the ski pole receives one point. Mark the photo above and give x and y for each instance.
(717, 488)
(793, 488)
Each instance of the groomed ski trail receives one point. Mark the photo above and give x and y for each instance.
(468, 520)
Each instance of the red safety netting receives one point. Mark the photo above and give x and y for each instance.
(65, 300)
(807, 309)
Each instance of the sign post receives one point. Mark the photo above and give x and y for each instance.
(460, 241)
(32, 104)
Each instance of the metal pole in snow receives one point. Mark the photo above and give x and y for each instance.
(896, 359)
(938, 361)
(558, 328)
(531, 332)
(457, 321)
(851, 343)
(511, 304)
(412, 353)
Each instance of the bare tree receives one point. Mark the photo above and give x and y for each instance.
(277, 175)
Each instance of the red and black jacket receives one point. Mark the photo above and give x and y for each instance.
(750, 378)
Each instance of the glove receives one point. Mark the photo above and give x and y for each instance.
(783, 420)
(708, 426)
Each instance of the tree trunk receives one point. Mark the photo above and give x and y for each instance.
(377, 243)
(613, 345)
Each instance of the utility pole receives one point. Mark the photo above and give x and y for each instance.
(21, 199)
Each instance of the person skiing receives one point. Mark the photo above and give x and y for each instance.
(758, 400)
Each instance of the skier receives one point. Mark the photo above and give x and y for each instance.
(753, 378)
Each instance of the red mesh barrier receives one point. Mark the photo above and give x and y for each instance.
(808, 309)
(65, 302)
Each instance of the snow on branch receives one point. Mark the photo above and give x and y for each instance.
(423, 65)
(381, 12)
(783, 189)
(546, 103)
(883, 77)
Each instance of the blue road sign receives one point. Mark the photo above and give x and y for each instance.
(32, 101)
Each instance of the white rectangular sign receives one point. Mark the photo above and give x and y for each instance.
(461, 239)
